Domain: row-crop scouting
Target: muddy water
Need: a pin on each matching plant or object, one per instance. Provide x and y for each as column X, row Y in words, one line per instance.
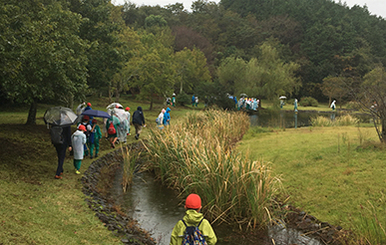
column 157, row 209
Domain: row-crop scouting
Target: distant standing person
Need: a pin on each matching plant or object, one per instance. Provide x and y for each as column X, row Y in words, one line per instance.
column 174, row 100
column 78, row 139
column 193, row 100
column 61, row 139
column 333, row 106
column 138, row 121
column 166, row 119
column 196, row 100
column 193, row 218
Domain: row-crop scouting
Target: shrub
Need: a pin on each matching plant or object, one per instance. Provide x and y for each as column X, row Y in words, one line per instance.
column 182, row 99
column 308, row 101
column 225, row 103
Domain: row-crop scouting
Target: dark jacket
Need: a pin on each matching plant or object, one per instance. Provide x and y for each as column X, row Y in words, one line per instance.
column 66, row 133
column 138, row 117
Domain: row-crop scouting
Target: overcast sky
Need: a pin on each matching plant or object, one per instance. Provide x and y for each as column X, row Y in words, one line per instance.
column 377, row 7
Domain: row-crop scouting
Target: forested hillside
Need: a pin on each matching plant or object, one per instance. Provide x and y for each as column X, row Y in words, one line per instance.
column 324, row 38
column 64, row 50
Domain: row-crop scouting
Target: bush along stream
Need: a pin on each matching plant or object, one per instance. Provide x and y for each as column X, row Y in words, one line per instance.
column 196, row 156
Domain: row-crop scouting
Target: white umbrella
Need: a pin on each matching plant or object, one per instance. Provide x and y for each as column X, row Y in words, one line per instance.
column 282, row 98
column 113, row 105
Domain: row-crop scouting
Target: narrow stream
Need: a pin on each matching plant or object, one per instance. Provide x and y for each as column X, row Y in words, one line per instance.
column 157, row 209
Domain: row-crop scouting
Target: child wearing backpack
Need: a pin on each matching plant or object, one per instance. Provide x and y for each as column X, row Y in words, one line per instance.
column 78, row 140
column 111, row 130
column 193, row 228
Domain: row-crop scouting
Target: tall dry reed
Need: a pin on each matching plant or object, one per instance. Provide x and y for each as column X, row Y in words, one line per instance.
column 345, row 120
column 129, row 166
column 198, row 156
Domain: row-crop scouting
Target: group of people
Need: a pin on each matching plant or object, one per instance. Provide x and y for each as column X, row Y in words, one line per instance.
column 193, row 227
column 88, row 134
column 163, row 118
column 194, row 100
column 248, row 103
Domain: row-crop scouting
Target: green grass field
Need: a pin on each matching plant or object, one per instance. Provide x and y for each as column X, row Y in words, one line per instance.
column 329, row 172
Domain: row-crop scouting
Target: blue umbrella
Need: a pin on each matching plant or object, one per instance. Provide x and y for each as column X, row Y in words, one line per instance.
column 96, row 113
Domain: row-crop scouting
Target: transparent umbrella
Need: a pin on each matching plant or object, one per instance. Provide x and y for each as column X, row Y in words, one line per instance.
column 60, row 116
column 113, row 105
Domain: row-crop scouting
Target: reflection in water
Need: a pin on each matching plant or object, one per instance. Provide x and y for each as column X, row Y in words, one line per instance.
column 155, row 207
column 285, row 236
column 285, row 119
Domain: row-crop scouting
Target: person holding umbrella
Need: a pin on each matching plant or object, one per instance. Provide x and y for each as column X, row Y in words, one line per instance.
column 59, row 119
column 64, row 133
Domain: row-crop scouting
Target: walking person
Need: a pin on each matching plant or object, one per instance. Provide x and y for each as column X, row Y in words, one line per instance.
column 89, row 135
column 333, row 106
column 61, row 139
column 138, row 121
column 111, row 129
column 160, row 119
column 127, row 114
column 193, row 218
column 166, row 118
column 97, row 137
column 78, row 139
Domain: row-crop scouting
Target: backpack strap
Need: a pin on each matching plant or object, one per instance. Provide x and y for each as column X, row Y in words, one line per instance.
column 183, row 221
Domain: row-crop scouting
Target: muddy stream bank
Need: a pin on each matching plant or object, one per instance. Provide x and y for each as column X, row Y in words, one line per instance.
column 147, row 212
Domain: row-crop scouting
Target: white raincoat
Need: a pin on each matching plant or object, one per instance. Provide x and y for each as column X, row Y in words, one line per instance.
column 78, row 139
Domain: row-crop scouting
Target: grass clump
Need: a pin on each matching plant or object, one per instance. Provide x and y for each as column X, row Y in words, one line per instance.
column 345, row 120
column 129, row 166
column 197, row 156
column 370, row 227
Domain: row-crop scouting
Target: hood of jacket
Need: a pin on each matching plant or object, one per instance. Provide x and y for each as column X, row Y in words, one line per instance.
column 78, row 132
column 139, row 108
column 168, row 109
column 192, row 217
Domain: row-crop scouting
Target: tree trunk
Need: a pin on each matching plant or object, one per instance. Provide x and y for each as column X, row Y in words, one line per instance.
column 383, row 133
column 117, row 92
column 31, row 120
column 151, row 103
column 110, row 95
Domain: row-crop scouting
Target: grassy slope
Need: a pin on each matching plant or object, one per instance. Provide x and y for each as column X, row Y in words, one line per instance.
column 35, row 208
column 323, row 169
